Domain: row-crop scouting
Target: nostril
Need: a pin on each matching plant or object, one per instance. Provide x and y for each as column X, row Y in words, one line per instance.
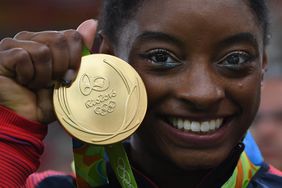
column 208, row 107
column 203, row 101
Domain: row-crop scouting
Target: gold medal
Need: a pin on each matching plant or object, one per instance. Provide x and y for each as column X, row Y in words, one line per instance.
column 105, row 104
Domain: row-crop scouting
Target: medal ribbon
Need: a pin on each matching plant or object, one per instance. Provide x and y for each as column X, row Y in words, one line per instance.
column 90, row 165
column 243, row 173
column 121, row 166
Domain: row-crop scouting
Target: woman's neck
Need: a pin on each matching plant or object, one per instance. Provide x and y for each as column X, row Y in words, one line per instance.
column 166, row 174
column 163, row 172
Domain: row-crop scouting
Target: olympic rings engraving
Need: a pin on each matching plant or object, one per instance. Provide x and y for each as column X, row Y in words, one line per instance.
column 123, row 174
column 105, row 108
column 103, row 104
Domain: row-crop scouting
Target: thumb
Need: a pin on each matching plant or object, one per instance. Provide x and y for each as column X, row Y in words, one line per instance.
column 87, row 29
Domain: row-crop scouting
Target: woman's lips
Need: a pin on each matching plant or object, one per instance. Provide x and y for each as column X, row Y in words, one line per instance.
column 191, row 133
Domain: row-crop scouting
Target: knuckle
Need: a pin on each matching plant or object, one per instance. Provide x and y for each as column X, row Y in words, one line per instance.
column 42, row 48
column 75, row 36
column 44, row 53
column 20, row 54
column 60, row 41
column 22, row 35
column 4, row 43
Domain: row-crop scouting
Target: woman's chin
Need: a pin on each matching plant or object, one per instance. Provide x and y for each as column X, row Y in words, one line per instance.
column 198, row 161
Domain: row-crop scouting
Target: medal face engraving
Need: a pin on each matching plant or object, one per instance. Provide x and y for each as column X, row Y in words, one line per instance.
column 105, row 104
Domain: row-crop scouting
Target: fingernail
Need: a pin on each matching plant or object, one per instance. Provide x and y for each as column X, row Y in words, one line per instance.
column 69, row 76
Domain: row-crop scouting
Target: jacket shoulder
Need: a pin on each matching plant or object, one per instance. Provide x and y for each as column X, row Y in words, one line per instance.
column 267, row 176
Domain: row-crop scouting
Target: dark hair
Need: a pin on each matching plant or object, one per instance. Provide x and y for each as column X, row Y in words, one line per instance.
column 116, row 13
column 260, row 10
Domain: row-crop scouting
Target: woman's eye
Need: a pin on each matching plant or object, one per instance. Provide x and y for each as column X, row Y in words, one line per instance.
column 236, row 60
column 161, row 58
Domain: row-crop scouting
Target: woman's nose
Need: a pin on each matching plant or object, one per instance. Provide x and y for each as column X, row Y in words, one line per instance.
column 201, row 88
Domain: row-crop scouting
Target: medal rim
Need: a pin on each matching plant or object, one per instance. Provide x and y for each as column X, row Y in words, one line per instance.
column 140, row 110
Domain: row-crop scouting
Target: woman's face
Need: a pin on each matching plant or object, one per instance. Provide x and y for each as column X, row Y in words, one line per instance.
column 202, row 63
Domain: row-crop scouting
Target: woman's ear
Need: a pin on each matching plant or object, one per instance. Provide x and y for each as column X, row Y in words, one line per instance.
column 104, row 46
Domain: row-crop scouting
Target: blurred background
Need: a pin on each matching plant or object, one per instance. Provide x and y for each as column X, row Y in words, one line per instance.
column 275, row 46
column 267, row 127
column 37, row 15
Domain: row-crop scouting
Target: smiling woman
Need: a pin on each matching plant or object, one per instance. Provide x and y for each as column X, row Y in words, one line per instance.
column 202, row 63
column 197, row 71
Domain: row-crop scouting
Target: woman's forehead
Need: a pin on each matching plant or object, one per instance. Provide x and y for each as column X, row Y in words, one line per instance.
column 197, row 16
column 197, row 7
column 192, row 21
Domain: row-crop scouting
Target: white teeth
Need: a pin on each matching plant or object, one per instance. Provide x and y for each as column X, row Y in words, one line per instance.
column 205, row 127
column 212, row 124
column 187, row 125
column 196, row 126
column 180, row 124
column 218, row 122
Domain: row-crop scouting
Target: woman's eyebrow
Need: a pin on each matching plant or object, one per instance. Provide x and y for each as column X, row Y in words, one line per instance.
column 159, row 36
column 245, row 37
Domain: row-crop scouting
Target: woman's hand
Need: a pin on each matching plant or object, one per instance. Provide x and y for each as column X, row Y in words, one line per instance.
column 30, row 63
